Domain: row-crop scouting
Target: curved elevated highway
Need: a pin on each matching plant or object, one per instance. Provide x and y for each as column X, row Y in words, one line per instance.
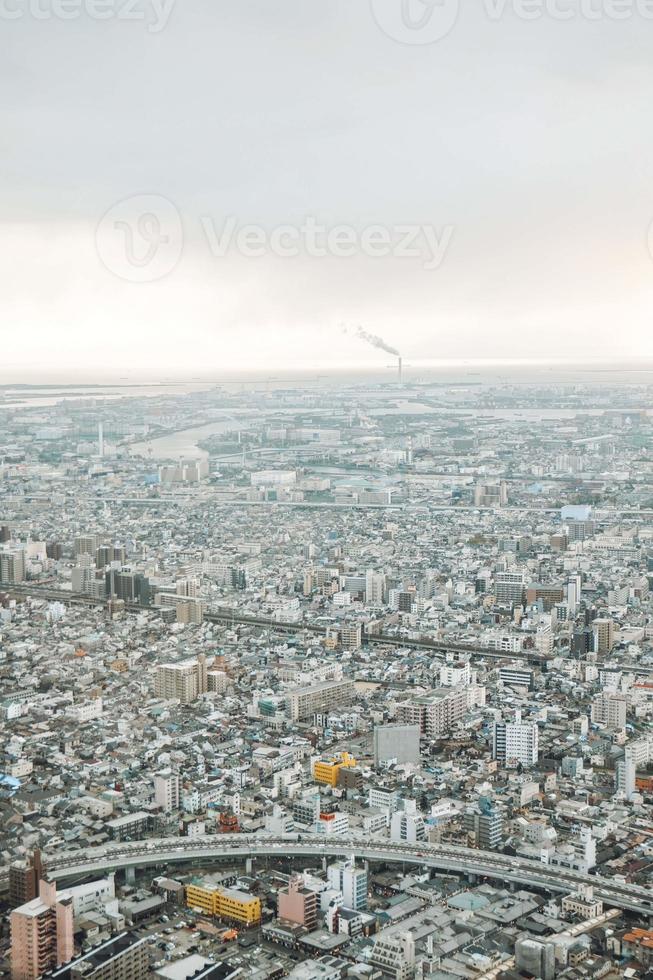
column 443, row 857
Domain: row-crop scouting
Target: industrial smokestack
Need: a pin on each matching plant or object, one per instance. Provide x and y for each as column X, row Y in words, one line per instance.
column 400, row 370
column 100, row 440
column 375, row 341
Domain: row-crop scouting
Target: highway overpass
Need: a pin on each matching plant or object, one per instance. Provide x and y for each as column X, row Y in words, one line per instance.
column 440, row 857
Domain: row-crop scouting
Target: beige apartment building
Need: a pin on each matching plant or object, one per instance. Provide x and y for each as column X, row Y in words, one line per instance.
column 41, row 933
column 183, row 681
column 304, row 702
column 298, row 904
column 435, row 713
column 610, row 710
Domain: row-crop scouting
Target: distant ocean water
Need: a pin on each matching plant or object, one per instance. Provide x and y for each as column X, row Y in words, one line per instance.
column 429, row 370
column 39, row 389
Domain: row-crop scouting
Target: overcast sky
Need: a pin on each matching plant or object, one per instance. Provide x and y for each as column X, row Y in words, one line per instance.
column 523, row 147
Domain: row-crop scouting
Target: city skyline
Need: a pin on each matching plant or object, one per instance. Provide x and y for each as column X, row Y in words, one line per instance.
column 326, row 490
column 296, row 673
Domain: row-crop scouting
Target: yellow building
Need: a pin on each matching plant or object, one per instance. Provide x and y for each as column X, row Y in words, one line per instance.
column 326, row 770
column 224, row 903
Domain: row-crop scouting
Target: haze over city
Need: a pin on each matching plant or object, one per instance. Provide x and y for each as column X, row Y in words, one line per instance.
column 523, row 144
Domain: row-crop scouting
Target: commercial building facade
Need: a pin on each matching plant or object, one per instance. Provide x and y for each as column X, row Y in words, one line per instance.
column 224, row 903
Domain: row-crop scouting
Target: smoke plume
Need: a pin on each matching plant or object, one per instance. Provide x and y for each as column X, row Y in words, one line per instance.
column 375, row 341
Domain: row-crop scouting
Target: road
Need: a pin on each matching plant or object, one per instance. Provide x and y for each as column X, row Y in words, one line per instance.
column 442, row 857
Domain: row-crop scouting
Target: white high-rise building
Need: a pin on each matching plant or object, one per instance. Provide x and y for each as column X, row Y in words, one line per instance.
column 626, row 772
column 407, row 827
column 455, row 673
column 394, row 955
column 515, row 742
column 345, row 877
column 573, row 592
column 166, row 790
column 588, row 847
column 641, row 751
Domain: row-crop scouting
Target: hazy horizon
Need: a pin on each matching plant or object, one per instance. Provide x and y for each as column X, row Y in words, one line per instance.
column 485, row 193
column 381, row 368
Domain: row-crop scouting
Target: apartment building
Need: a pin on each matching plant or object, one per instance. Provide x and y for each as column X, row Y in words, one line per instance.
column 394, row 955
column 407, row 826
column 455, row 673
column 304, row 702
column 345, row 877
column 604, row 634
column 41, row 933
column 297, row 903
column 515, row 743
column 12, row 566
column 547, row 595
column 484, row 823
column 609, row 709
column 166, row 790
column 183, row 681
column 436, row 713
column 509, row 588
